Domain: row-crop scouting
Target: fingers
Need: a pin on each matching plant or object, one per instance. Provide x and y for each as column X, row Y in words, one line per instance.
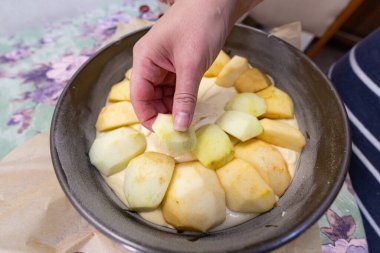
column 150, row 84
column 185, row 97
column 168, row 93
column 143, row 91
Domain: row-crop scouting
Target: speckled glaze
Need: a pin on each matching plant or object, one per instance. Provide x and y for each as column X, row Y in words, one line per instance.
column 321, row 172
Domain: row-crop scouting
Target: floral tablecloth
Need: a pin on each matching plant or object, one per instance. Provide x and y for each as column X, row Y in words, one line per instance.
column 36, row 64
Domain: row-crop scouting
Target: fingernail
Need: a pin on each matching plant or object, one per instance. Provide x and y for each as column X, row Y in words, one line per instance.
column 181, row 121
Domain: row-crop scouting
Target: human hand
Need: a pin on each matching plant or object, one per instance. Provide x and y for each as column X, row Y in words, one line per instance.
column 169, row 61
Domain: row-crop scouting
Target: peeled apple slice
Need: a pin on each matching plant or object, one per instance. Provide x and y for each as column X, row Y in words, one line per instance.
column 147, row 178
column 176, row 142
column 245, row 190
column 128, row 74
column 231, row 71
column 116, row 115
column 241, row 125
column 252, row 80
column 234, row 140
column 111, row 152
column 120, row 92
column 195, row 199
column 268, row 161
column 214, row 148
column 279, row 104
column 282, row 134
column 116, row 183
column 218, row 64
column 247, row 102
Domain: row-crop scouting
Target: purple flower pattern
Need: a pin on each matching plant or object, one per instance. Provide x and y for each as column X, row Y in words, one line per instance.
column 22, row 118
column 340, row 232
column 108, row 25
column 36, row 75
column 20, row 52
column 50, row 77
column 61, row 71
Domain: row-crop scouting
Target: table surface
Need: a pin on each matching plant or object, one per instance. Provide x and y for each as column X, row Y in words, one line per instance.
column 36, row 64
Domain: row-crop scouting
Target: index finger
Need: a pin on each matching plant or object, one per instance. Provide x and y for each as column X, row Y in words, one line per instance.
column 145, row 77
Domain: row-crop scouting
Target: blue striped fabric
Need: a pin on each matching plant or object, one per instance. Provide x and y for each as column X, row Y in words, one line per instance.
column 357, row 78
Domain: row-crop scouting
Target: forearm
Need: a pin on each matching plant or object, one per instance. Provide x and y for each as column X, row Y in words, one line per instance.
column 228, row 11
column 238, row 7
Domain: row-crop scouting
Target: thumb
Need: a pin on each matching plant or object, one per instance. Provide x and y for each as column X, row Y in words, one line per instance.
column 185, row 97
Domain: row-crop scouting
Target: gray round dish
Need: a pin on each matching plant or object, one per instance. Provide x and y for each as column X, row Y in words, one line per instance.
column 321, row 170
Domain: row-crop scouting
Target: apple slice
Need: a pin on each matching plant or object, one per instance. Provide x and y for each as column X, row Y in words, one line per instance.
column 147, row 178
column 213, row 148
column 268, row 161
column 241, row 125
column 279, row 104
column 252, row 80
column 120, row 92
column 128, row 74
column 247, row 102
column 116, row 115
column 233, row 140
column 116, row 183
column 176, row 142
column 195, row 199
column 282, row 134
column 245, row 190
column 231, row 71
column 218, row 64
column 111, row 152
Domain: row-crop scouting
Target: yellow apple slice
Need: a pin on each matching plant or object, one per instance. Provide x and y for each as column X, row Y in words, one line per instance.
column 241, row 125
column 247, row 102
column 111, row 152
column 252, row 80
column 120, row 92
column 147, row 178
column 116, row 115
column 233, row 140
column 195, row 199
column 176, row 142
column 213, row 148
column 268, row 161
column 279, row 104
column 281, row 134
column 231, row 71
column 128, row 74
column 245, row 190
column 218, row 64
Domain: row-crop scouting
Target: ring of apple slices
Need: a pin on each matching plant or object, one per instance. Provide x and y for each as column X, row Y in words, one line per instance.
column 241, row 160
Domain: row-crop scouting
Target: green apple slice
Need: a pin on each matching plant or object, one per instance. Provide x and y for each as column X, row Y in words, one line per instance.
column 247, row 102
column 241, row 125
column 213, row 148
column 176, row 142
column 111, row 151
